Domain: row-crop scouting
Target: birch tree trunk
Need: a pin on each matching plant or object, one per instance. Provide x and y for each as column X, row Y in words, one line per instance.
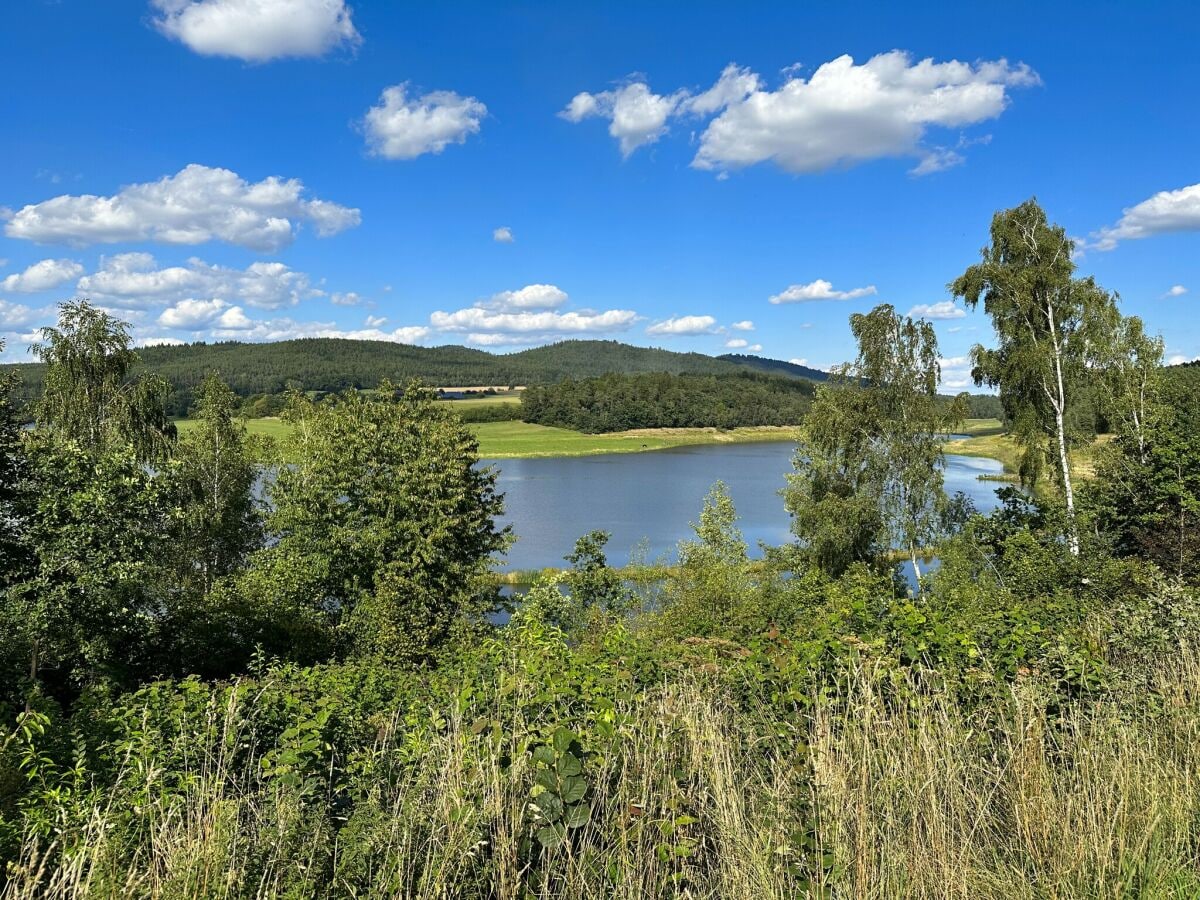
column 1064, row 462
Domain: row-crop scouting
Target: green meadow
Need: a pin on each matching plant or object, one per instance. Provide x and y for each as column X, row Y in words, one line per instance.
column 515, row 440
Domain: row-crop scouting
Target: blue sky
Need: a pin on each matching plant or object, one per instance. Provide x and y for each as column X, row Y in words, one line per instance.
column 261, row 169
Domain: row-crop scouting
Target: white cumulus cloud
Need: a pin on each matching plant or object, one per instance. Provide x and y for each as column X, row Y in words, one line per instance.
column 798, row 361
column 159, row 342
column 15, row 315
column 819, row 290
column 734, row 86
column 503, row 235
column 744, row 325
column 284, row 329
column 475, row 319
column 1177, row 290
column 375, row 321
column 193, row 206
column 1165, row 212
column 532, row 296
column 192, row 314
column 349, row 298
column 847, row 113
column 134, row 280
column 1178, row 359
column 956, row 372
column 743, row 344
column 681, row 325
column 943, row 309
column 637, row 116
column 258, row 30
column 403, row 127
column 42, row 276
column 528, row 315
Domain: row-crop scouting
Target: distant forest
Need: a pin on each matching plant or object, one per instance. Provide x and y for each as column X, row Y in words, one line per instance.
column 335, row 365
column 261, row 373
column 617, row 402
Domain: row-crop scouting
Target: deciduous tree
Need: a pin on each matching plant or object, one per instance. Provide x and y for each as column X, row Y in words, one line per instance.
column 869, row 470
column 386, row 512
column 212, row 477
column 91, row 395
column 834, row 493
column 13, row 495
column 1041, row 314
column 898, row 364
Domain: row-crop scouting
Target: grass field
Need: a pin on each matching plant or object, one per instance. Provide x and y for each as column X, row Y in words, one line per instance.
column 980, row 427
column 269, row 427
column 492, row 400
column 508, row 440
column 513, row 440
column 989, row 440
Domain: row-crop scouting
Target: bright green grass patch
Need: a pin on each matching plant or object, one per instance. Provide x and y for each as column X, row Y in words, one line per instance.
column 271, row 427
column 507, row 440
column 489, row 400
column 1003, row 447
column 991, row 445
column 980, row 427
column 512, row 440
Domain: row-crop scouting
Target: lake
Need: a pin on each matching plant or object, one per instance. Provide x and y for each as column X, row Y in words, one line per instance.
column 647, row 500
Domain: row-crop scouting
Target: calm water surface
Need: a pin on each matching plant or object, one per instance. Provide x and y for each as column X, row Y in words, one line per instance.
column 647, row 500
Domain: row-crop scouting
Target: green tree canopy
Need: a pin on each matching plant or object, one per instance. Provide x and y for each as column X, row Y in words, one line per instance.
column 868, row 472
column 383, row 519
column 1047, row 324
column 13, row 497
column 90, row 395
column 212, row 477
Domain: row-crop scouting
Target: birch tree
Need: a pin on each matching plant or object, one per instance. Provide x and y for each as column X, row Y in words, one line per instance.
column 212, row 476
column 869, row 467
column 1041, row 314
column 898, row 361
column 1128, row 366
column 91, row 393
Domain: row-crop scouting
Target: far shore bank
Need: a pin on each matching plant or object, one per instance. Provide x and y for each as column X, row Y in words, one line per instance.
column 522, row 440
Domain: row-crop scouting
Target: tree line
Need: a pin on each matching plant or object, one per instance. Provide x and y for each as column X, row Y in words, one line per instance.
column 616, row 402
column 334, row 365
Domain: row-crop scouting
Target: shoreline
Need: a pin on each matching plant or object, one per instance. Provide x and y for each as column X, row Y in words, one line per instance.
column 522, row 440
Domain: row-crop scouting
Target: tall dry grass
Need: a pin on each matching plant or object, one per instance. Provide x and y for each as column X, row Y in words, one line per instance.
column 867, row 797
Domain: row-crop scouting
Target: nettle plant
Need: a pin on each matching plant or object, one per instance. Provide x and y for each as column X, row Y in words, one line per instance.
column 560, row 796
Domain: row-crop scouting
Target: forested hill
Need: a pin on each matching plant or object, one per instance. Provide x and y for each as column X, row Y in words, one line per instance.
column 775, row 366
column 335, row 364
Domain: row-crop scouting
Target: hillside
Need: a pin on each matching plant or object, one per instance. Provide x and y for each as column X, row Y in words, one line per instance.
column 774, row 366
column 334, row 364
column 587, row 359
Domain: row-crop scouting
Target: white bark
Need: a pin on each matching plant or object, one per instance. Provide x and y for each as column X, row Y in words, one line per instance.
column 1060, row 404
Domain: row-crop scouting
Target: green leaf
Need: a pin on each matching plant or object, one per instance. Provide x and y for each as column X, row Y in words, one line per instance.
column 563, row 739
column 547, row 779
column 568, row 764
column 543, row 755
column 551, row 835
column 579, row 815
column 551, row 806
column 573, row 789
